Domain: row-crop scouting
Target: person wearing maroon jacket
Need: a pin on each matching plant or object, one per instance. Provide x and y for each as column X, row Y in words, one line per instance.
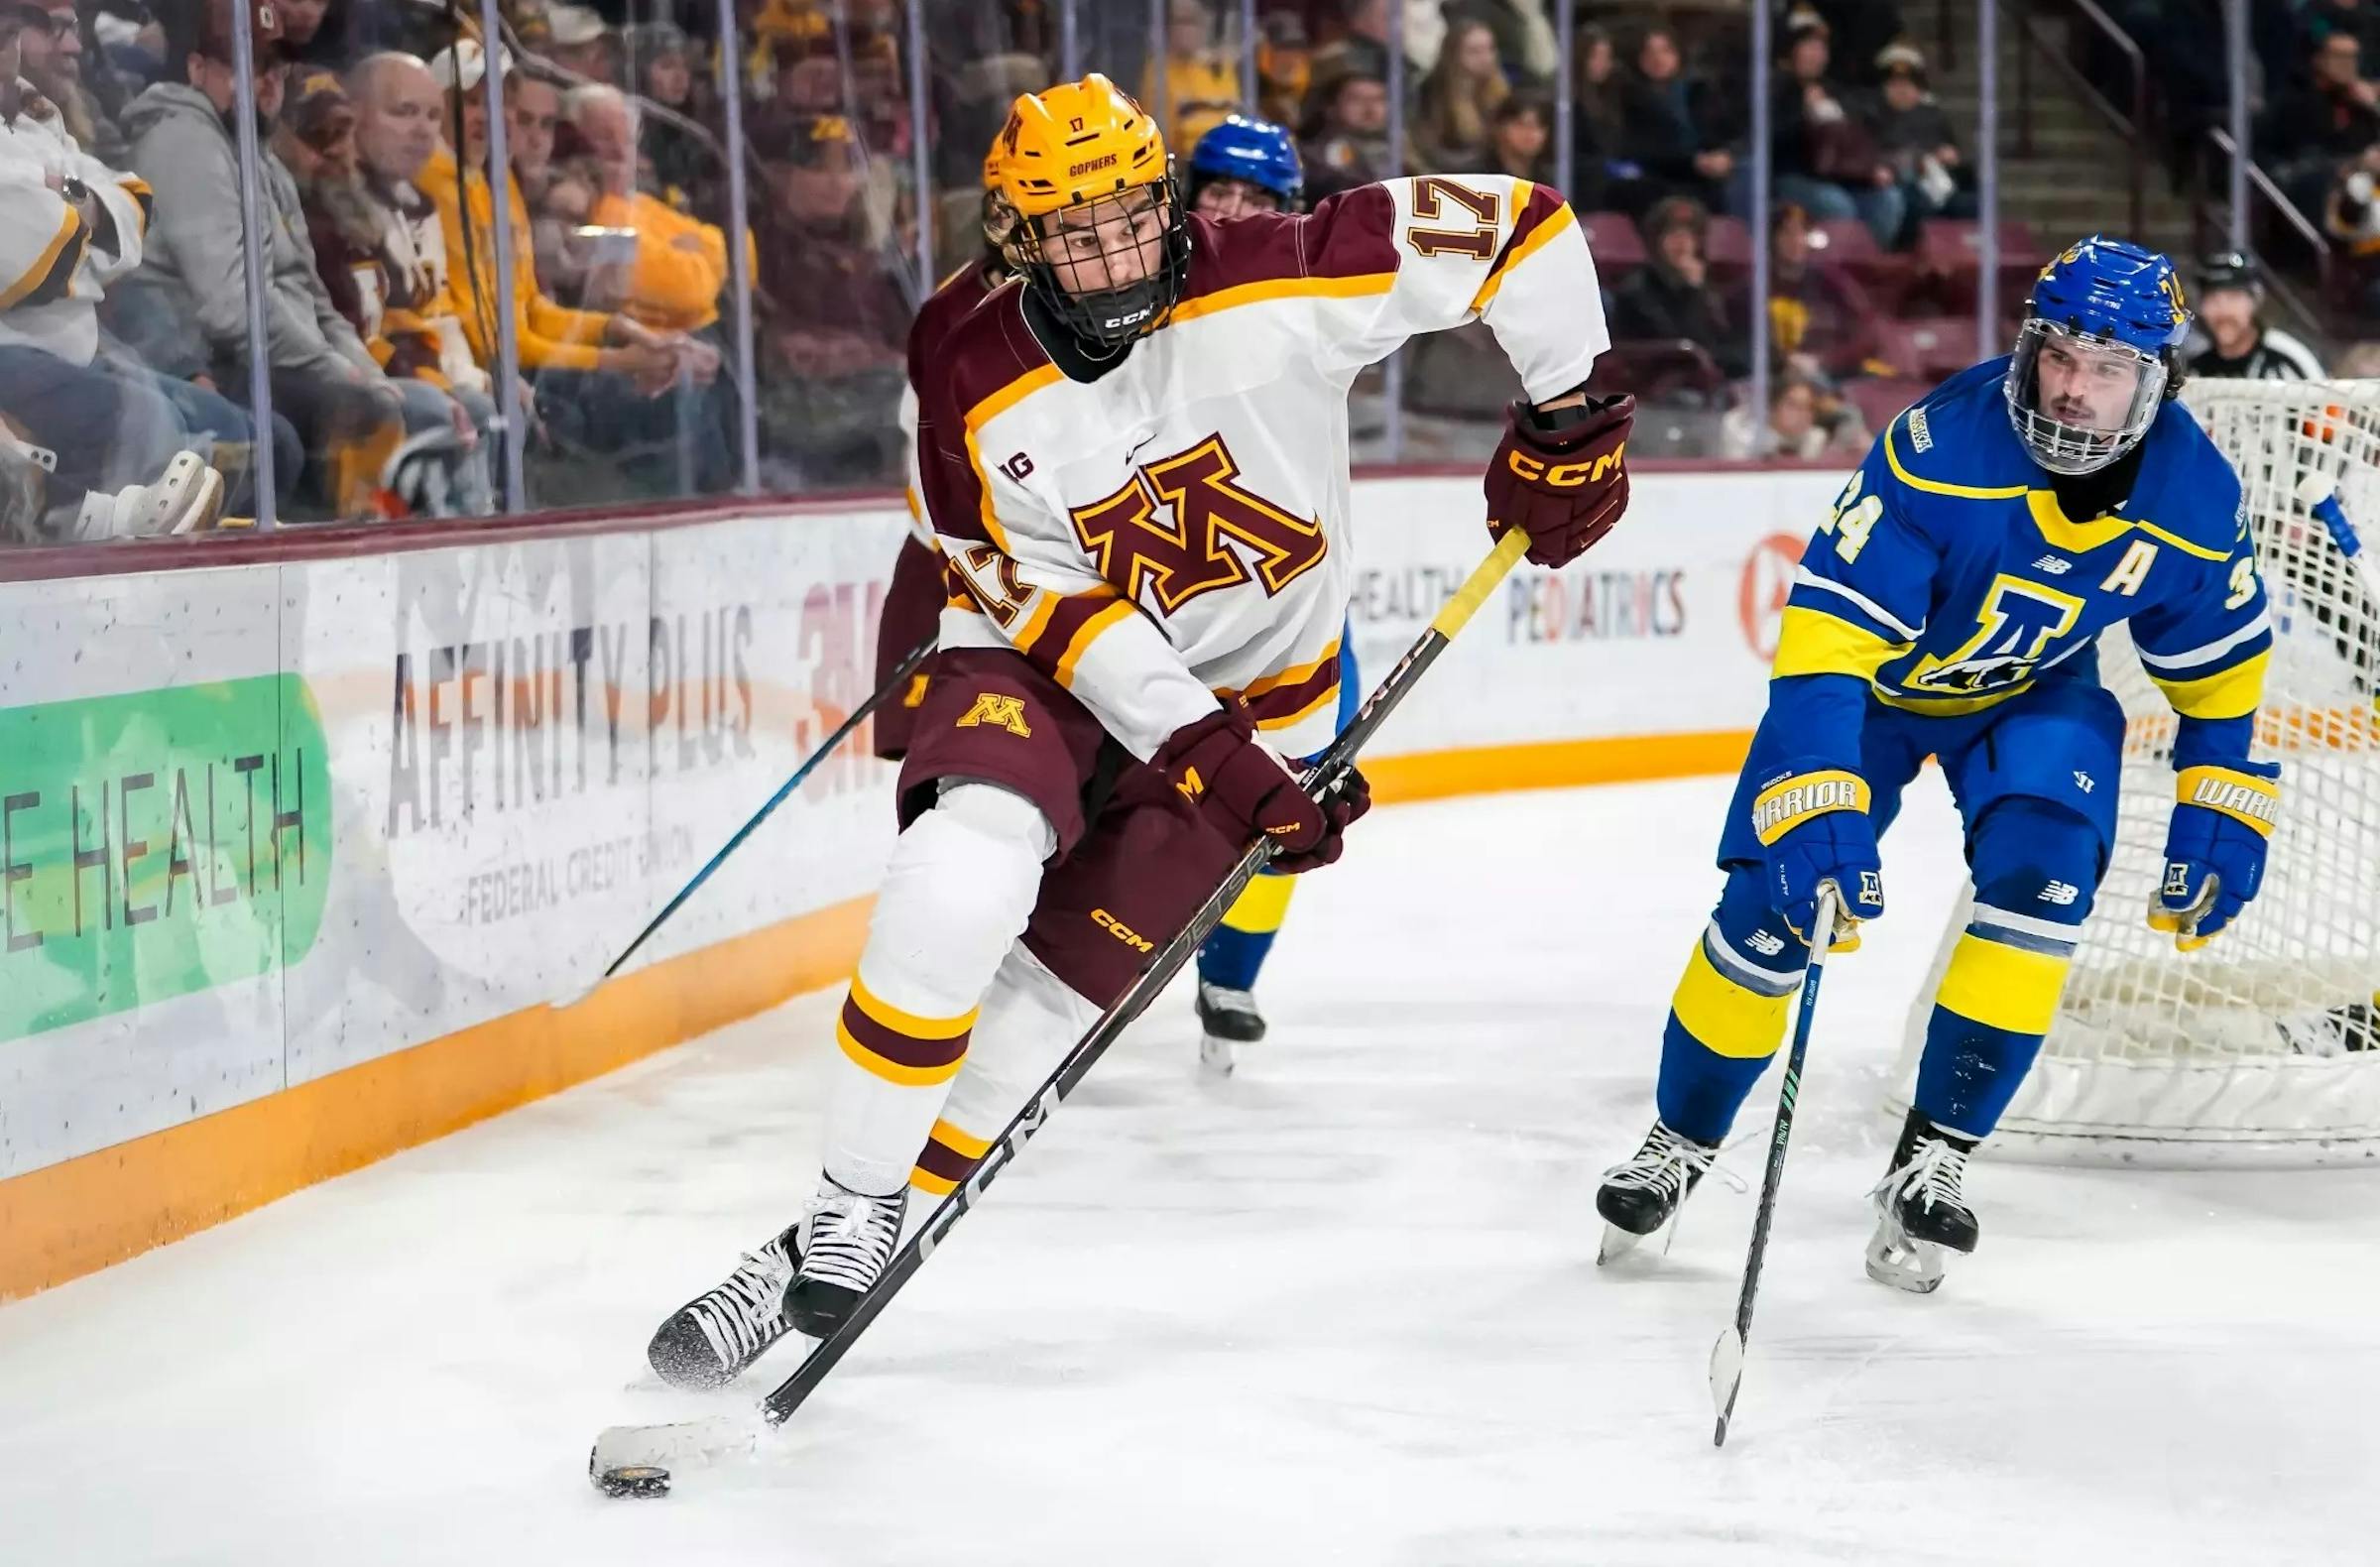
column 914, row 602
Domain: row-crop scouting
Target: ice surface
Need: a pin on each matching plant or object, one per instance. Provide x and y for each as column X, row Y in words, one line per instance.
column 1342, row 1308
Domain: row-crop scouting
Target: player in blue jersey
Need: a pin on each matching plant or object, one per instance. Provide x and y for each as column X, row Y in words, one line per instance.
column 1951, row 606
column 1246, row 166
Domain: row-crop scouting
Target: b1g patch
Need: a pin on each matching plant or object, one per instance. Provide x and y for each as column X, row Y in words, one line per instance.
column 998, row 712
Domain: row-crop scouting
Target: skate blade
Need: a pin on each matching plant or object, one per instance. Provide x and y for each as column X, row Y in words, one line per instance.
column 1617, row 1244
column 1214, row 1056
column 1915, row 1267
column 640, row 1460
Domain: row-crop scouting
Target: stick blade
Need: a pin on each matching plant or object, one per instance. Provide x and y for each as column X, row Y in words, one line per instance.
column 641, row 1460
column 1727, row 1377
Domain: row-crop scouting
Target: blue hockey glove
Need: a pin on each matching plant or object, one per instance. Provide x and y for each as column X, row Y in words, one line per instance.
column 2214, row 849
column 1811, row 821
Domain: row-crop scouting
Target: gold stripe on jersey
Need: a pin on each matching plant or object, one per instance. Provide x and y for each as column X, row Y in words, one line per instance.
column 2081, row 537
column 1296, row 675
column 1356, row 286
column 1079, row 643
column 1543, row 235
column 1967, row 492
column 69, row 226
column 1328, row 694
column 1812, row 642
column 2228, row 693
column 982, row 414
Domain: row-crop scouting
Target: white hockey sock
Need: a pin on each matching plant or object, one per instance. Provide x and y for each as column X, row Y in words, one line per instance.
column 957, row 892
column 1030, row 1020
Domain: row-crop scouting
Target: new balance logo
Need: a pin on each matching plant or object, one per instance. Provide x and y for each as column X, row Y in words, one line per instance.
column 2055, row 566
column 2063, row 893
column 2085, row 782
column 998, row 712
column 1763, row 942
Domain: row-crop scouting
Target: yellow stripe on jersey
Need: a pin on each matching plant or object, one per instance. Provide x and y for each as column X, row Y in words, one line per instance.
column 1947, row 706
column 2228, row 693
column 1812, row 642
column 1543, row 235
column 1090, row 633
column 1969, row 492
column 1322, row 698
column 982, row 414
column 2002, row 987
column 1261, row 910
column 68, row 227
column 1296, row 675
column 2081, row 537
column 1357, row 287
column 1724, row 1016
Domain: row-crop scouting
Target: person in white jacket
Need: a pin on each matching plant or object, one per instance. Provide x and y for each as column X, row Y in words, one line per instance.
column 111, row 445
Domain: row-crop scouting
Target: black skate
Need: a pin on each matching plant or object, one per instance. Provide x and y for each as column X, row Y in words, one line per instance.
column 846, row 1238
column 1639, row 1194
column 1227, row 1019
column 1921, row 1209
column 712, row 1339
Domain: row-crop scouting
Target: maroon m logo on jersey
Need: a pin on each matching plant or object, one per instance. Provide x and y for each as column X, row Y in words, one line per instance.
column 1165, row 528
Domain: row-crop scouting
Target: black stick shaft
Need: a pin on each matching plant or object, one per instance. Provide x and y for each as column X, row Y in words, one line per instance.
column 826, row 748
column 1167, row 961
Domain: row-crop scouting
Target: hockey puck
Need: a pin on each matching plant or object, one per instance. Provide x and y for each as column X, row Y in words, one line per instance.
column 634, row 1480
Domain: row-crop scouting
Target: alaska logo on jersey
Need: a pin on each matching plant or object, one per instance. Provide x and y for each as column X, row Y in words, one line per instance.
column 1163, row 531
column 2016, row 626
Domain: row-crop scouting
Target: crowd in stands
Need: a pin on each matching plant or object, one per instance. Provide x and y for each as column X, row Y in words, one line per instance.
column 124, row 307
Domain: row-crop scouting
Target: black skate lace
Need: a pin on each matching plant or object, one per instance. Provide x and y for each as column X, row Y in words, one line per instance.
column 1932, row 1175
column 1665, row 1161
column 735, row 1316
column 853, row 1242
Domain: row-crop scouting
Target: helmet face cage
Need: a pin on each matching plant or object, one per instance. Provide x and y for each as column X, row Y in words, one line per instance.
column 2067, row 448
column 1110, row 316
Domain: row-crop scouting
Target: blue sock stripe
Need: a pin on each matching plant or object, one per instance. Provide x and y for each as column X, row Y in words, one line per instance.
column 2025, row 932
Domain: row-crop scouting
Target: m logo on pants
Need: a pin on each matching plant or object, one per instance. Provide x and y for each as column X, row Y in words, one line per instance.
column 1001, row 712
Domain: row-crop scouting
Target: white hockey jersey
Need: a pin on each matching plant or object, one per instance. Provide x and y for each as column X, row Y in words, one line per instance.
column 1177, row 530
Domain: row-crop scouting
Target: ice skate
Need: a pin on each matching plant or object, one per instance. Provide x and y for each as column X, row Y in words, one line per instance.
column 1641, row 1192
column 1921, row 1208
column 712, row 1339
column 842, row 1245
column 1227, row 1019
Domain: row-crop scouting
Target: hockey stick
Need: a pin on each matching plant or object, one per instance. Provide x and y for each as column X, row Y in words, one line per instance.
column 2320, row 497
column 1727, row 1356
column 637, row 1460
column 826, row 748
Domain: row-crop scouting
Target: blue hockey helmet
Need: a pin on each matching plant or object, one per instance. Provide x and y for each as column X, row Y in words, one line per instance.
column 2106, row 321
column 1256, row 150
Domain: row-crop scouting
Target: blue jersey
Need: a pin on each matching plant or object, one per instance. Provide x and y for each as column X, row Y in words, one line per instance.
column 1947, row 579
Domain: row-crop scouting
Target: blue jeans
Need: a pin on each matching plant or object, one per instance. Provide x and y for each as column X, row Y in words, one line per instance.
column 115, row 421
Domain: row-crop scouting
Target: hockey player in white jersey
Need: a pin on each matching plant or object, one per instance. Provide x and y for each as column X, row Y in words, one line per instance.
column 1135, row 459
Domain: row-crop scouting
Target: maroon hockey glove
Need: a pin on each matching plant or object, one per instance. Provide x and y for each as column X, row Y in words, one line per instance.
column 1245, row 791
column 1562, row 478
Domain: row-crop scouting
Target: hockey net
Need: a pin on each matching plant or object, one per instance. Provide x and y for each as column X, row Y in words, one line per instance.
column 2264, row 1046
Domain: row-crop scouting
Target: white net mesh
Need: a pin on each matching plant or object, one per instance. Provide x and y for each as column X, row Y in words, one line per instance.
column 2263, row 1047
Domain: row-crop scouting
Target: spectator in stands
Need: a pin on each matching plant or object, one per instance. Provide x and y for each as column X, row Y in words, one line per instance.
column 548, row 337
column 1673, row 143
column 2321, row 18
column 2239, row 346
column 680, row 268
column 1598, row 119
column 1520, row 140
column 1914, row 137
column 1862, row 29
column 1825, row 161
column 193, row 316
column 1200, row 82
column 1524, row 31
column 1816, row 314
column 579, row 42
column 2330, row 122
column 1805, row 422
column 301, row 27
column 356, row 149
column 92, row 450
column 1458, row 100
column 1345, row 134
column 52, row 48
column 686, row 173
column 1670, row 299
column 837, row 326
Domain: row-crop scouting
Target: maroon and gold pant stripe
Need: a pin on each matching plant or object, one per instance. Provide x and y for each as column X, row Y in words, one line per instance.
column 899, row 1046
column 949, row 1157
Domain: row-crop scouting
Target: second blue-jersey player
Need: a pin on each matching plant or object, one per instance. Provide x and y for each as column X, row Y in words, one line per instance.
column 1951, row 606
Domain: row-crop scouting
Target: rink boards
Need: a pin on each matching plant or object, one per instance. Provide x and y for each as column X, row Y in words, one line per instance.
column 295, row 855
